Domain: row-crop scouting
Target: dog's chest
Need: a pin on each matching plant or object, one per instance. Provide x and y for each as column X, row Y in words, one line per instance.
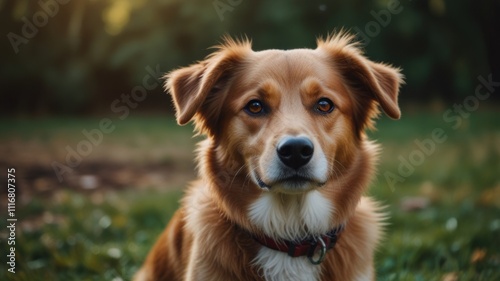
column 293, row 217
column 278, row 266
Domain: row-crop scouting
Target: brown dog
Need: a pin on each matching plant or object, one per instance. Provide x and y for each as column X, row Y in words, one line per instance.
column 283, row 168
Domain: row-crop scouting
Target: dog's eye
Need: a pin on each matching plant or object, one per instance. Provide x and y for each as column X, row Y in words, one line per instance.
column 324, row 106
column 254, row 107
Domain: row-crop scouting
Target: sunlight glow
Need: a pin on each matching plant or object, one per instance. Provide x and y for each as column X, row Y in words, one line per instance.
column 116, row 16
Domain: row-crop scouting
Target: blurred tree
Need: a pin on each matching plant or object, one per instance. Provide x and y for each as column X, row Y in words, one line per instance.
column 81, row 55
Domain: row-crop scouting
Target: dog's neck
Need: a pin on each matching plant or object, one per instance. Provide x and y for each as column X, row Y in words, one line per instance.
column 310, row 247
column 292, row 217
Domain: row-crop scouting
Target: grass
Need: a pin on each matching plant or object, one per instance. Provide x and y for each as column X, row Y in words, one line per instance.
column 456, row 236
column 104, row 234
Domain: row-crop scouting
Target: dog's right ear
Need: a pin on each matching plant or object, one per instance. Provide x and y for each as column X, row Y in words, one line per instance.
column 199, row 90
column 184, row 86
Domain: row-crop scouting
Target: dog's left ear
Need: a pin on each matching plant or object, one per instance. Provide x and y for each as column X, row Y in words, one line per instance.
column 384, row 81
column 199, row 90
column 368, row 81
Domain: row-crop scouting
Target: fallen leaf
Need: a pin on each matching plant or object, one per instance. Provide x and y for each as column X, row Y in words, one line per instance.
column 451, row 276
column 409, row 204
column 478, row 255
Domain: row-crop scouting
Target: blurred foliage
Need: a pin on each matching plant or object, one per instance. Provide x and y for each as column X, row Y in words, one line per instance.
column 86, row 53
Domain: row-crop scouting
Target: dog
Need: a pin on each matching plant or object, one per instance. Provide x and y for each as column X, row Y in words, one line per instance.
column 283, row 167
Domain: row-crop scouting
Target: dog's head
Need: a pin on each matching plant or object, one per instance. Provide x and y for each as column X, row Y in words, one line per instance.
column 292, row 119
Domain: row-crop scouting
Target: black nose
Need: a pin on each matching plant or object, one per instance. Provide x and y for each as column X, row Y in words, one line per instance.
column 295, row 152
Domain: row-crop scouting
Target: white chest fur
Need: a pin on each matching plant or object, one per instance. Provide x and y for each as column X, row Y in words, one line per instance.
column 278, row 266
column 290, row 217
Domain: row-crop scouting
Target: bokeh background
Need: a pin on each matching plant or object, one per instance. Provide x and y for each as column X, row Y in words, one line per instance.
column 100, row 162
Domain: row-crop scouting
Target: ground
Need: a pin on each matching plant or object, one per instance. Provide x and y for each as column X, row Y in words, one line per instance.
column 98, row 223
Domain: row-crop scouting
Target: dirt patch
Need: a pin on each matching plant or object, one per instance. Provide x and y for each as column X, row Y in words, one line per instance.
column 95, row 177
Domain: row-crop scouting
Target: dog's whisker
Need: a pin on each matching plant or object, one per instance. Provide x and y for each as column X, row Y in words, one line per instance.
column 236, row 174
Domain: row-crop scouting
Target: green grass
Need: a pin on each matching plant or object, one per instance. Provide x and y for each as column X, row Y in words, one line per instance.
column 461, row 179
column 83, row 240
column 105, row 234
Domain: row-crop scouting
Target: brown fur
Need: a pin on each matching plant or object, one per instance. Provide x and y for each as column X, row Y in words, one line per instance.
column 210, row 236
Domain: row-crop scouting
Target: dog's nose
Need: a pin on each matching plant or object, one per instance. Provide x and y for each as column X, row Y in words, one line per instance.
column 295, row 152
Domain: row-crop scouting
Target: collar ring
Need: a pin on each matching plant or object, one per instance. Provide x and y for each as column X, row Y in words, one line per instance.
column 322, row 252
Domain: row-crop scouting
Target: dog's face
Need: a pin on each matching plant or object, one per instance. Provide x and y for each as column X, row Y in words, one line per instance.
column 289, row 119
column 292, row 120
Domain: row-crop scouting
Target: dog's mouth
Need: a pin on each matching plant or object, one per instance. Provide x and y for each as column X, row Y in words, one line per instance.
column 289, row 183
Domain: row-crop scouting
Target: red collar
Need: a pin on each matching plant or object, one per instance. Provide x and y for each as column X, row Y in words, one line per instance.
column 307, row 247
